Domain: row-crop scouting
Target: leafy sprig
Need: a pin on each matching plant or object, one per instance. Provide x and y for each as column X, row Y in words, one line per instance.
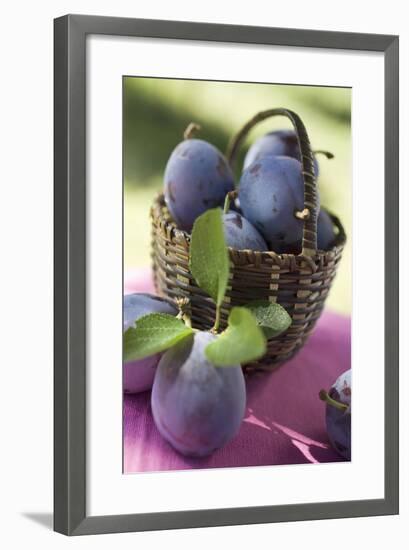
column 152, row 334
column 249, row 327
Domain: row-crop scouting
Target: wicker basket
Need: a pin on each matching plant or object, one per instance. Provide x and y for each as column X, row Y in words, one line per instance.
column 300, row 283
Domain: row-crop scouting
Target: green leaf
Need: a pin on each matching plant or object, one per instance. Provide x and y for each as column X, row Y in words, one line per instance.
column 153, row 333
column 271, row 317
column 241, row 342
column 209, row 258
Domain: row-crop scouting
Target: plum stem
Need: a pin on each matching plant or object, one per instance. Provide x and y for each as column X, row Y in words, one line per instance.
column 324, row 396
column 187, row 320
column 191, row 129
column 217, row 320
column 183, row 314
column 231, row 195
column 226, row 204
column 327, row 154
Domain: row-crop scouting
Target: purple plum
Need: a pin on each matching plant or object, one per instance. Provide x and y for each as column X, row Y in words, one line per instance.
column 240, row 234
column 138, row 375
column 196, row 406
column 338, row 414
column 283, row 143
column 271, row 191
column 197, row 177
column 325, row 231
column 325, row 236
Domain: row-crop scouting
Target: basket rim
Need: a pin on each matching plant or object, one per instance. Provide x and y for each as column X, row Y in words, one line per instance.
column 160, row 211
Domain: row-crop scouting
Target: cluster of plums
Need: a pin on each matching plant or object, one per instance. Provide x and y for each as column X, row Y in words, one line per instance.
column 196, row 406
column 270, row 192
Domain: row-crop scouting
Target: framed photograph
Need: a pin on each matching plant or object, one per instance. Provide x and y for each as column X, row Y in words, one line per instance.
column 226, row 268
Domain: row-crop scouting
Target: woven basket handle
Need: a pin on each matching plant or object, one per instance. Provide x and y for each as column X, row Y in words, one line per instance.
column 310, row 213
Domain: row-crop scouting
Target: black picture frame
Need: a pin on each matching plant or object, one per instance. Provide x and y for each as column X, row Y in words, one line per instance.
column 70, row 34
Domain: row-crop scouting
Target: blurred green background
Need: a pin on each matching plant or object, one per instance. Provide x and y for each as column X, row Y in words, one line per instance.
column 156, row 112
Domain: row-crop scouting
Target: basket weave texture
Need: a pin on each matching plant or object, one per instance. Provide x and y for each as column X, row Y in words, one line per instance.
column 300, row 283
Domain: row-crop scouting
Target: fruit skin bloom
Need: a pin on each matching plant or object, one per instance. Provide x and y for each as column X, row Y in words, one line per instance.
column 325, row 231
column 196, row 406
column 282, row 143
column 271, row 191
column 339, row 421
column 138, row 375
column 240, row 234
column 197, row 178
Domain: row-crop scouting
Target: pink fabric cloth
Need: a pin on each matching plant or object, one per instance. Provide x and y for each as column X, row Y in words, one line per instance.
column 138, row 280
column 284, row 422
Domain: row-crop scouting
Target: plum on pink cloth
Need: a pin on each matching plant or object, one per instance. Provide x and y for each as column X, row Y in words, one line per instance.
column 284, row 421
